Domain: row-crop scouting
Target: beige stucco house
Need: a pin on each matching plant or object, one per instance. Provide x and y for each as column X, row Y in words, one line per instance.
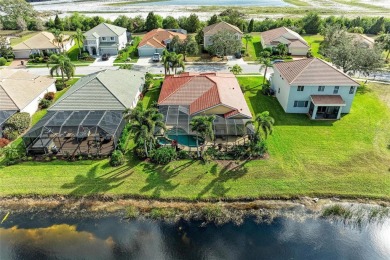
column 314, row 87
column 297, row 46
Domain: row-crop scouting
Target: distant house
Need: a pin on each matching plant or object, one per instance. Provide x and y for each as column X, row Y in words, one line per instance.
column 190, row 94
column 42, row 43
column 105, row 39
column 88, row 118
column 157, row 40
column 209, row 31
column 368, row 42
column 295, row 43
column 314, row 87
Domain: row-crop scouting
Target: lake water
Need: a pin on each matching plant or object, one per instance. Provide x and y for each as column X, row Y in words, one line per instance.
column 221, row 2
column 36, row 237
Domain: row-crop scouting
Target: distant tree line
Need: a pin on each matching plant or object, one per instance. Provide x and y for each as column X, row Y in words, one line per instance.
column 20, row 15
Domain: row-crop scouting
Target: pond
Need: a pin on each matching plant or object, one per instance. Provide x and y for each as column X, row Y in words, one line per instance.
column 29, row 236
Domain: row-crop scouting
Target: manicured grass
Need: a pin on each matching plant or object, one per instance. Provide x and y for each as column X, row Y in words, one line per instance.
column 73, row 54
column 152, row 94
column 348, row 157
column 132, row 52
column 314, row 42
column 254, row 47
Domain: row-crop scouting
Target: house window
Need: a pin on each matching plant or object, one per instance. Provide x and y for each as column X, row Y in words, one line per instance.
column 112, row 38
column 278, row 90
column 301, row 103
column 103, row 38
column 300, row 88
column 336, row 90
column 352, row 90
column 321, row 88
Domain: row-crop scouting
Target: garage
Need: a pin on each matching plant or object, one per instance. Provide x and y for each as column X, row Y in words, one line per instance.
column 22, row 54
column 110, row 51
column 146, row 51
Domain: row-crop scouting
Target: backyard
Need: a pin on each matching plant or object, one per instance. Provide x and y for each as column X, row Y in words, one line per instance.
column 345, row 158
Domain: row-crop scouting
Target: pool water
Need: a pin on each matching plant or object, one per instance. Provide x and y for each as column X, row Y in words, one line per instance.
column 188, row 140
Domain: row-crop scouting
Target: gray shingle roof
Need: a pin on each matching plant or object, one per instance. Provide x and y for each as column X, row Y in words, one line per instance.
column 105, row 30
column 104, row 90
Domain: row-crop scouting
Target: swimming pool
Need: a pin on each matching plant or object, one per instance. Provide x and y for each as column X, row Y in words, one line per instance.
column 181, row 136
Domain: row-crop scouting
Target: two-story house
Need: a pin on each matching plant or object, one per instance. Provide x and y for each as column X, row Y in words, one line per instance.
column 314, row 87
column 209, row 31
column 105, row 39
column 295, row 43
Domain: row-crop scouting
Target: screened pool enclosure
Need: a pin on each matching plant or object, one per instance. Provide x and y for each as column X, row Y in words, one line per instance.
column 178, row 118
column 75, row 133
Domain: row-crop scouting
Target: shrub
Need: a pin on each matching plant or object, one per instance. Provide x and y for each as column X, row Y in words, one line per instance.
column 126, row 66
column 18, row 122
column 4, row 142
column 44, row 103
column 183, row 155
column 3, row 61
column 239, row 152
column 117, row 158
column 163, row 155
column 60, row 86
column 140, row 152
column 49, row 95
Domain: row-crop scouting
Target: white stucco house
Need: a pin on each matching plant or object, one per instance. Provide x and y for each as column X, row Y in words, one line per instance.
column 157, row 40
column 209, row 31
column 314, row 87
column 105, row 39
column 42, row 43
column 297, row 46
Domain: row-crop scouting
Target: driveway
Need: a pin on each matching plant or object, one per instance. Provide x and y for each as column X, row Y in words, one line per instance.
column 144, row 61
column 104, row 63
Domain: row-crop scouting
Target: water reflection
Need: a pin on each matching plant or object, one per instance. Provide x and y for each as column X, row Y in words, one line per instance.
column 23, row 237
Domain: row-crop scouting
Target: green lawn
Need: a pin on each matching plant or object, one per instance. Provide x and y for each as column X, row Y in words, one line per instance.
column 132, row 52
column 254, row 48
column 73, row 55
column 314, row 43
column 348, row 157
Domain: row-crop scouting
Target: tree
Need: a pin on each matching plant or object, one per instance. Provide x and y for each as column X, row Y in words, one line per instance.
column 264, row 122
column 282, row 49
column 199, row 37
column 57, row 23
column 251, row 25
column 265, row 64
column 143, row 125
column 193, row 23
column 79, row 38
column 213, row 20
column 14, row 9
column 236, row 69
column 177, row 61
column 61, row 64
column 186, row 47
column 247, row 38
column 312, row 23
column 378, row 26
column 166, row 59
column 384, row 41
column 203, row 126
column 170, row 22
column 21, row 23
column 60, row 39
column 151, row 22
column 225, row 43
column 5, row 50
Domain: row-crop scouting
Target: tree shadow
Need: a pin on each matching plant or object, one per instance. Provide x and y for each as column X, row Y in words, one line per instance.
column 228, row 172
column 159, row 177
column 91, row 183
column 258, row 48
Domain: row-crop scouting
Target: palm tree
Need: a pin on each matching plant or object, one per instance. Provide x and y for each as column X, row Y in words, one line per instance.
column 247, row 38
column 166, row 60
column 282, row 49
column 144, row 123
column 59, row 38
column 264, row 122
column 79, row 38
column 177, row 61
column 236, row 69
column 203, row 126
column 265, row 64
column 61, row 64
column 384, row 40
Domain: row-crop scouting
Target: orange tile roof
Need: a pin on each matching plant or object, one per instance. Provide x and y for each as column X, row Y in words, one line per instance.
column 204, row 91
column 313, row 71
column 156, row 38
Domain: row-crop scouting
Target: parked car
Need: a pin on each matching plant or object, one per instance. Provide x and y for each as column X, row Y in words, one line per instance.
column 276, row 61
column 156, row 57
column 105, row 56
column 238, row 55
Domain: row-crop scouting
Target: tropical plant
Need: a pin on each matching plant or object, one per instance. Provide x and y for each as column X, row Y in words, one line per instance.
column 282, row 49
column 236, row 69
column 79, row 38
column 143, row 125
column 203, row 126
column 117, row 158
column 10, row 152
column 163, row 155
column 177, row 61
column 384, row 40
column 166, row 59
column 61, row 64
column 264, row 122
column 265, row 64
column 60, row 39
column 18, row 122
column 247, row 38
